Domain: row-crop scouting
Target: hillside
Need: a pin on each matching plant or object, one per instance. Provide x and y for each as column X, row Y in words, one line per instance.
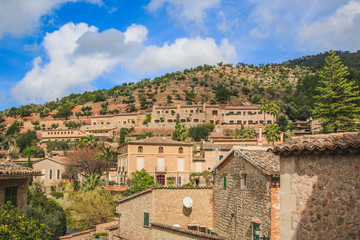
column 291, row 84
column 224, row 84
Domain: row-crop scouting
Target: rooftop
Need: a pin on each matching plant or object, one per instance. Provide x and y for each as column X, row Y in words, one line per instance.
column 15, row 170
column 159, row 140
column 316, row 144
column 265, row 161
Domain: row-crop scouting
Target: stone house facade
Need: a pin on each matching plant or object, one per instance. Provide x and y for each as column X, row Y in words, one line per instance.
column 246, row 184
column 161, row 158
column 13, row 184
column 62, row 135
column 164, row 206
column 320, row 187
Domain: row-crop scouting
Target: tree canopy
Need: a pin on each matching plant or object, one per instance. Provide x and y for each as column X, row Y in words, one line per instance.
column 337, row 104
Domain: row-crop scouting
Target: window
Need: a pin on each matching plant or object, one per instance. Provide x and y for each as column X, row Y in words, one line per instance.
column 160, row 164
column 140, row 149
column 11, row 195
column 180, row 164
column 269, row 122
column 58, row 174
column 50, row 174
column 139, row 163
column 214, row 113
column 198, row 167
column 160, row 179
column 221, row 157
column 146, row 219
column 224, row 182
column 181, row 150
column 243, row 181
column 161, row 150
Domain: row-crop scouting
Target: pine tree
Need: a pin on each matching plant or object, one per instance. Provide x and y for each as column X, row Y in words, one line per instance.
column 337, row 103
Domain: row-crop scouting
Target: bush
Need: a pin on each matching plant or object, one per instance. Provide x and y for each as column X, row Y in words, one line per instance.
column 57, row 195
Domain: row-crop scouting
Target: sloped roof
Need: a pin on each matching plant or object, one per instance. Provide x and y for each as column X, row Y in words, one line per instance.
column 316, row 144
column 211, row 146
column 265, row 161
column 15, row 170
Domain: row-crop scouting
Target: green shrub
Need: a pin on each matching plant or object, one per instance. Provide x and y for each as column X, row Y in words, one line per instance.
column 57, row 195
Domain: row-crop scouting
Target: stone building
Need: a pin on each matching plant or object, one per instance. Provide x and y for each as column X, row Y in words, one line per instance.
column 246, row 194
column 320, row 187
column 13, row 184
column 151, row 213
column 163, row 159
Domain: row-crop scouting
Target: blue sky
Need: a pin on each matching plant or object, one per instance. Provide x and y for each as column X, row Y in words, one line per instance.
column 51, row 48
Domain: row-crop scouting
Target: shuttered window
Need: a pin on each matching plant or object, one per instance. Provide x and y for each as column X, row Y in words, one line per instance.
column 224, row 182
column 11, row 195
column 146, row 219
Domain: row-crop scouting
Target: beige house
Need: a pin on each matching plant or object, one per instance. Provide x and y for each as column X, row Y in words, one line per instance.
column 13, row 184
column 319, row 187
column 51, row 169
column 62, row 135
column 164, row 159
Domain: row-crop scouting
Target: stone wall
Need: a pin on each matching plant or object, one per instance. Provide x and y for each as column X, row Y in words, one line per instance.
column 165, row 206
column 236, row 207
column 169, row 208
column 21, row 183
column 275, row 209
column 320, row 196
column 132, row 217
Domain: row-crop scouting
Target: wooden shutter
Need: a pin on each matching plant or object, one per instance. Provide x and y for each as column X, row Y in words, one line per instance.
column 224, row 182
column 146, row 219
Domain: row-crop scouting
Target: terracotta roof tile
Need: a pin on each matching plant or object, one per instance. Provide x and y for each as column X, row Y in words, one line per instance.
column 315, row 144
column 12, row 169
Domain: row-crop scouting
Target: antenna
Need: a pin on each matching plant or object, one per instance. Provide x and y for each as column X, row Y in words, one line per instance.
column 188, row 202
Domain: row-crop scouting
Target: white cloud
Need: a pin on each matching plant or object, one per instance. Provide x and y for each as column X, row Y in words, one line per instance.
column 22, row 16
column 339, row 31
column 136, row 33
column 305, row 25
column 184, row 53
column 78, row 54
column 185, row 10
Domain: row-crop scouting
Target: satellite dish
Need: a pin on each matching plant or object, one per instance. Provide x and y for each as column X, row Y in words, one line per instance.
column 188, row 202
column 176, row 225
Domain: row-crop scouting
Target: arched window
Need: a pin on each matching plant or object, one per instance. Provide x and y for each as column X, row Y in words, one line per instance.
column 140, row 149
column 181, row 150
column 161, row 150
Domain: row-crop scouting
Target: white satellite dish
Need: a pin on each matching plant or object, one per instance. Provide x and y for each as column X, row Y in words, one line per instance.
column 188, row 202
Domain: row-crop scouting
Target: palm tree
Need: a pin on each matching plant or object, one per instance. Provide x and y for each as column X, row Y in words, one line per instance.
column 264, row 107
column 274, row 109
column 273, row 133
column 109, row 155
column 91, row 182
column 89, row 140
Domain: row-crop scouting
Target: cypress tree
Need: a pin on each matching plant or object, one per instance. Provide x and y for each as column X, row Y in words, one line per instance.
column 337, row 104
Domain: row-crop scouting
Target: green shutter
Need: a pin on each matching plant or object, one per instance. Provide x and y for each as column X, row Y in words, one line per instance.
column 11, row 195
column 146, row 219
column 224, row 182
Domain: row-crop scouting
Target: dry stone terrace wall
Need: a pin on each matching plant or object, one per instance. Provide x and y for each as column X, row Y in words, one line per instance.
column 320, row 197
column 235, row 207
